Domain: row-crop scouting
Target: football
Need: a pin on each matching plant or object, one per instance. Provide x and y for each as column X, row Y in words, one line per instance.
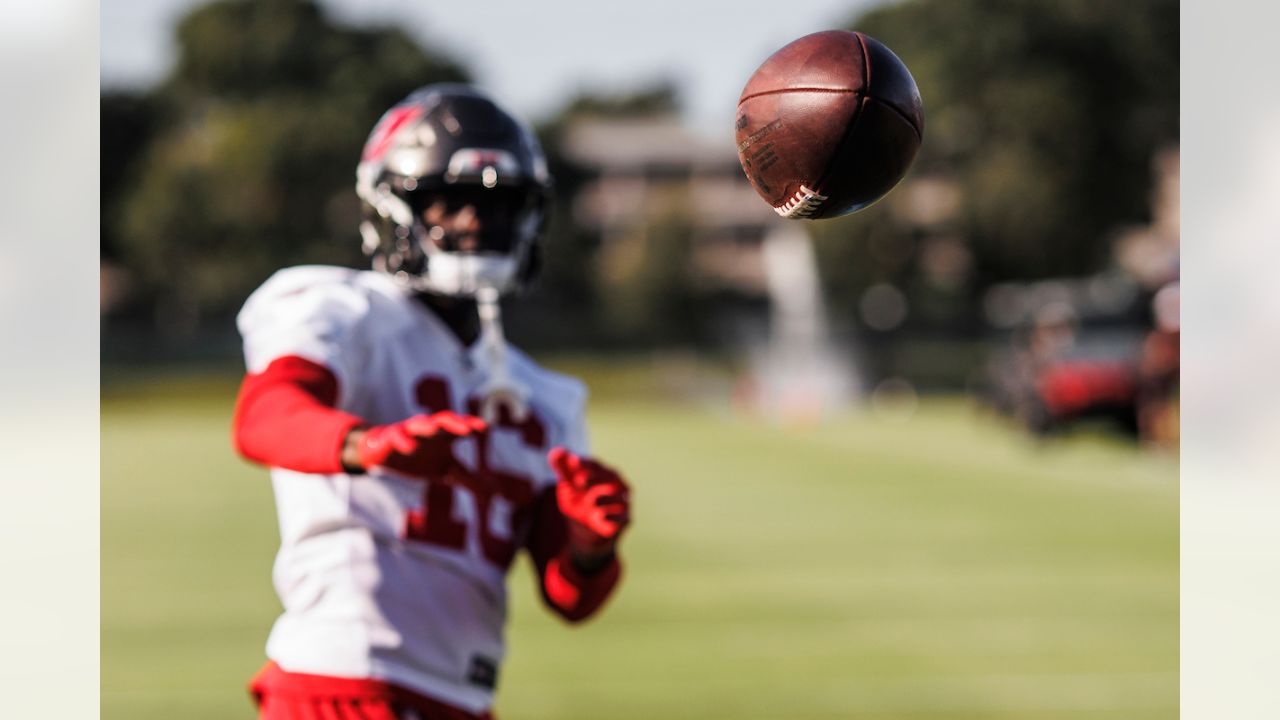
column 828, row 125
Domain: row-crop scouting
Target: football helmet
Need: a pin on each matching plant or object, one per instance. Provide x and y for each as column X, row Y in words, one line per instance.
column 454, row 192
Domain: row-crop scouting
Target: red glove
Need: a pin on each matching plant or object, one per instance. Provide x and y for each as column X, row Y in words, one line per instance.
column 594, row 499
column 421, row 446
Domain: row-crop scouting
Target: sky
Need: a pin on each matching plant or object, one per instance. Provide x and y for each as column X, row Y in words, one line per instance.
column 535, row 55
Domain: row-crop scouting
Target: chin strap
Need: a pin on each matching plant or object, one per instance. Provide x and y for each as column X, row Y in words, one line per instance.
column 500, row 388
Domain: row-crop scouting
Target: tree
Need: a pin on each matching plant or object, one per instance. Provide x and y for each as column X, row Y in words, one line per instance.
column 657, row 98
column 1045, row 113
column 574, row 304
column 129, row 122
column 268, row 106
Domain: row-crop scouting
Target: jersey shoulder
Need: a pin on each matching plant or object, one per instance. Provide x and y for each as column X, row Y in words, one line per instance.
column 569, row 390
column 334, row 295
column 560, row 397
column 322, row 313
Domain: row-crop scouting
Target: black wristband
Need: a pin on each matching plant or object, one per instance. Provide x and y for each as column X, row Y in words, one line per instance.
column 342, row 454
column 587, row 567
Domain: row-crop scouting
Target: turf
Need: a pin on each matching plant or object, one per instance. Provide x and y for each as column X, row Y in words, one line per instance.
column 937, row 567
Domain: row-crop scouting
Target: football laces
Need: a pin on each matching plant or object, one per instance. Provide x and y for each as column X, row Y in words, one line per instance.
column 802, row 204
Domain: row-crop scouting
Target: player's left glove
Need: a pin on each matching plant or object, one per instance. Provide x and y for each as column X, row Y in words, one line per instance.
column 594, row 499
column 420, row 446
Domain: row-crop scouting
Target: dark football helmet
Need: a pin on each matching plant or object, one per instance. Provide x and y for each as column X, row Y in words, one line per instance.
column 443, row 150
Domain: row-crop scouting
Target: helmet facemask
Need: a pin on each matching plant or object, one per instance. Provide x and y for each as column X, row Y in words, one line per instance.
column 454, row 193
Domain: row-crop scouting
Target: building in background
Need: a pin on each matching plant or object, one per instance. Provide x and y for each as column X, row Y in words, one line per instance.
column 655, row 188
column 652, row 168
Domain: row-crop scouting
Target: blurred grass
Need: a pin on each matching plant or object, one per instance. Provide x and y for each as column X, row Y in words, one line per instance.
column 942, row 567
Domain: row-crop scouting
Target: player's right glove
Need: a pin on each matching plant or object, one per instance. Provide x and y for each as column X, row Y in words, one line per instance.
column 420, row 446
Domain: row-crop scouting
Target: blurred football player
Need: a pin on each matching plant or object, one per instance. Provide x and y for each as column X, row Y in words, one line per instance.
column 413, row 453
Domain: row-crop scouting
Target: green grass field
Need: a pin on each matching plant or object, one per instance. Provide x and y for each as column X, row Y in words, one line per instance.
column 944, row 567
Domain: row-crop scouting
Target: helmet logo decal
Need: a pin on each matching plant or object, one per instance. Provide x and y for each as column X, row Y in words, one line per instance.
column 382, row 135
column 473, row 161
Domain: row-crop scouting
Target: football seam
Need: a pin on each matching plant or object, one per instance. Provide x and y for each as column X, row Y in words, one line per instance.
column 896, row 111
column 867, row 62
column 853, row 121
column 907, row 118
column 797, row 89
column 848, row 132
column 866, row 68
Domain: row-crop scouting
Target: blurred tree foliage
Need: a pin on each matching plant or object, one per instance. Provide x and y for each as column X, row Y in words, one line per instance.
column 654, row 99
column 129, row 121
column 591, row 307
column 1045, row 114
column 649, row 288
column 242, row 161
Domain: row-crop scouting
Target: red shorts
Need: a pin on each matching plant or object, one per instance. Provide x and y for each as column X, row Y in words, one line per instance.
column 282, row 695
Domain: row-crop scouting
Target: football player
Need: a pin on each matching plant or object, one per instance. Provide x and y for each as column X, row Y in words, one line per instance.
column 413, row 453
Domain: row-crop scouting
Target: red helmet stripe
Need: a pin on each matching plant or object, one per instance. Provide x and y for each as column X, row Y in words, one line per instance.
column 380, row 138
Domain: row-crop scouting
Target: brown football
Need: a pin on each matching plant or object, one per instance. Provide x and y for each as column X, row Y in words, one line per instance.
column 828, row 125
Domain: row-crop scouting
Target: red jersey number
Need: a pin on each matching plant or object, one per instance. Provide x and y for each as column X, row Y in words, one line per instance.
column 436, row 523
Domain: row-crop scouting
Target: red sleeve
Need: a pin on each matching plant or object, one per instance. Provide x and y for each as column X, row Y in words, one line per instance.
column 572, row 595
column 285, row 417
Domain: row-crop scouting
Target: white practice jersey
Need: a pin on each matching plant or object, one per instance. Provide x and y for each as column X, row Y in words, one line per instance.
column 383, row 576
